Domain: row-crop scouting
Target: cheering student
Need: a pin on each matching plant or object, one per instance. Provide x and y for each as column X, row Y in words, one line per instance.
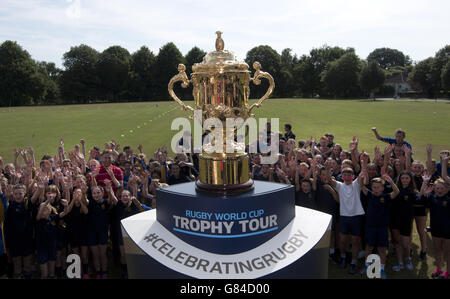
column 305, row 195
column 377, row 219
column 399, row 139
column 77, row 220
column 48, row 219
column 98, row 208
column 127, row 206
column 19, row 230
column 401, row 218
column 3, row 209
column 108, row 172
column 439, row 204
column 351, row 210
column 289, row 134
column 420, row 214
column 327, row 201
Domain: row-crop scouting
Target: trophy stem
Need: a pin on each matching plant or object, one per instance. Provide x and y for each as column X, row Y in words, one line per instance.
column 224, row 176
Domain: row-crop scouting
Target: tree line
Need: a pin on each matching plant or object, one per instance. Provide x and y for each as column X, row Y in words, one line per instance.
column 115, row 75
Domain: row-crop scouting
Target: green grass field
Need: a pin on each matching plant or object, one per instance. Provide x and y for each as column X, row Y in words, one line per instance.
column 149, row 124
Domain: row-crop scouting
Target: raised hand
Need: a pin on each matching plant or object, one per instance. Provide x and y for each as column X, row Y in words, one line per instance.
column 428, row 189
column 364, row 157
column 59, row 174
column 426, row 176
column 110, row 171
column 444, row 157
column 387, row 178
column 95, row 172
column 388, row 149
column 9, row 191
column 314, row 163
column 407, row 150
column 64, row 202
column 67, row 182
column 84, row 187
column 292, row 162
column 107, row 185
column 377, row 152
column 140, row 148
column 429, row 148
column 43, row 181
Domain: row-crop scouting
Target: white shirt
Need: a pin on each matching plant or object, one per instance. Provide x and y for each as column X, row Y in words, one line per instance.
column 349, row 199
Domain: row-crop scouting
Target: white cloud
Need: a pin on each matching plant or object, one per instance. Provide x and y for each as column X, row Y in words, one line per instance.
column 48, row 28
column 74, row 10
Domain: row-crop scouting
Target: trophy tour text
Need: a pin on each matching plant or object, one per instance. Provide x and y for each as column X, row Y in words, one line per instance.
column 225, row 223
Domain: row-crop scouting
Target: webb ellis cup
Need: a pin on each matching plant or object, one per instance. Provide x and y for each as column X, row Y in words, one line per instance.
column 221, row 90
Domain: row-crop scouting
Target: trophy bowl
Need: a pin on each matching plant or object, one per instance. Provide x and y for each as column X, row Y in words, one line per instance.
column 221, row 91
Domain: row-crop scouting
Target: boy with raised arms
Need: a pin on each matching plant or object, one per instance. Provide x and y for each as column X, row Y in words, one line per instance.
column 377, row 218
column 351, row 210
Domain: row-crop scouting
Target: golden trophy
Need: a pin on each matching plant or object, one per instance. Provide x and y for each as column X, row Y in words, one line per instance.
column 221, row 90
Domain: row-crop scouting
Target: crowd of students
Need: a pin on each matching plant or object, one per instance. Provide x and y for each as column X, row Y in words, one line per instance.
column 73, row 202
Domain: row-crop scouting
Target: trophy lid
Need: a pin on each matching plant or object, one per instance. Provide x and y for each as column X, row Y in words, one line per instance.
column 220, row 60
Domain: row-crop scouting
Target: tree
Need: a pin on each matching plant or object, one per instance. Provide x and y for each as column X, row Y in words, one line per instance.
column 50, row 75
column 166, row 67
column 341, row 76
column 112, row 67
column 305, row 80
column 441, row 58
column 286, row 83
column 445, row 77
column 308, row 70
column 423, row 74
column 195, row 55
column 388, row 58
column 20, row 81
column 270, row 61
column 371, row 78
column 142, row 74
column 79, row 82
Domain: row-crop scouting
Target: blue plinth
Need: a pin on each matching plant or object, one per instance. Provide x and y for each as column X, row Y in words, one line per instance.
column 226, row 224
column 294, row 246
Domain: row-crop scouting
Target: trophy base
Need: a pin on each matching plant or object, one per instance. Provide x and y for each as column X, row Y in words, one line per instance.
column 224, row 189
column 224, row 175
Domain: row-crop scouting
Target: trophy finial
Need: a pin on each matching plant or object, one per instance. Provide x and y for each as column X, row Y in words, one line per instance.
column 219, row 42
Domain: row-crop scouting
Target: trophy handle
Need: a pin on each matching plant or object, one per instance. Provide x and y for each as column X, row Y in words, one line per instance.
column 256, row 80
column 181, row 76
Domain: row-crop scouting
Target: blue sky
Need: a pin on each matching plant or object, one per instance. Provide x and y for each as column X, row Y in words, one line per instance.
column 47, row 29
